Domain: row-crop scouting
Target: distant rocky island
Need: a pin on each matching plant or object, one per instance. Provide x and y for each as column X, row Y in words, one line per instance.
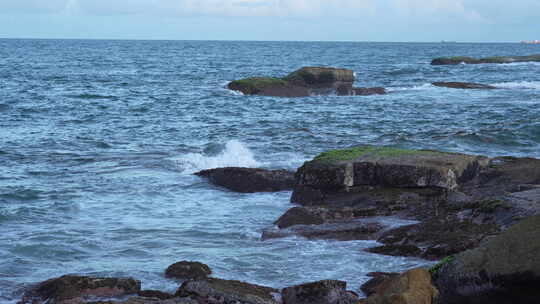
column 496, row 59
column 304, row 82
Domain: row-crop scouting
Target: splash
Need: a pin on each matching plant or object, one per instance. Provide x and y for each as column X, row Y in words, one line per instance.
column 234, row 154
column 534, row 85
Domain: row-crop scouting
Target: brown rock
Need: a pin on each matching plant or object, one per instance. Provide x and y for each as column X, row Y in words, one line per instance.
column 299, row 216
column 72, row 289
column 188, row 270
column 377, row 278
column 412, row 287
column 321, row 292
column 249, row 180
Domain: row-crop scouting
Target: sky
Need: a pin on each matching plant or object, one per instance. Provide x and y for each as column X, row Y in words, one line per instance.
column 305, row 20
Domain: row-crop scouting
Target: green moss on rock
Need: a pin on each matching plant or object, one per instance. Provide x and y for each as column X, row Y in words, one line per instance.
column 334, row 156
column 435, row 269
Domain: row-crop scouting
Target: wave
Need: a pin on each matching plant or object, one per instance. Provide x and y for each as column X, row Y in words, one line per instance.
column 425, row 86
column 534, row 85
column 233, row 154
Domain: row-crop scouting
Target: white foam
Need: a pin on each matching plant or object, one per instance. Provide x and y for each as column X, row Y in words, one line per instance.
column 425, row 86
column 535, row 85
column 235, row 154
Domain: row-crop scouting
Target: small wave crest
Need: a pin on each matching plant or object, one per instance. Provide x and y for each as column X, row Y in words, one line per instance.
column 233, row 154
column 534, row 85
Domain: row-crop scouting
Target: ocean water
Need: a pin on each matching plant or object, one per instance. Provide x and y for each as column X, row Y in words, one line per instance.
column 99, row 140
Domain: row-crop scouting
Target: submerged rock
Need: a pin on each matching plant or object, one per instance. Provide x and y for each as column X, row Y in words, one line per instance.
column 249, row 180
column 188, row 270
column 72, row 289
column 463, row 85
column 504, row 269
column 412, row 287
column 321, row 292
column 213, row 290
column 470, row 60
column 343, row 231
column 304, row 82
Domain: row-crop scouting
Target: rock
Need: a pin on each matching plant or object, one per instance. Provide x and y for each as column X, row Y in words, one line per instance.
column 383, row 166
column 249, row 180
column 321, row 292
column 412, row 287
column 304, row 82
column 377, row 278
column 299, row 216
column 470, row 60
column 504, row 269
column 435, row 237
column 72, row 289
column 155, row 294
column 343, row 231
column 463, row 85
column 188, row 270
column 397, row 250
column 369, row 91
column 213, row 290
column 149, row 300
column 348, row 91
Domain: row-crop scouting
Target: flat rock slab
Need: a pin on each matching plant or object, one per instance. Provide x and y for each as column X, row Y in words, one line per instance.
column 390, row 167
column 250, row 180
column 464, row 85
column 229, row 291
column 470, row 60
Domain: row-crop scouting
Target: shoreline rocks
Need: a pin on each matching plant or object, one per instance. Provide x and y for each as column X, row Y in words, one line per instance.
column 250, row 180
column 464, row 85
column 470, row 60
column 304, row 82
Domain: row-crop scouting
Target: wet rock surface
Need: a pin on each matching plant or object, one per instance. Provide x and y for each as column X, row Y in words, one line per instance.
column 470, row 60
column 212, row 290
column 250, row 180
column 304, row 82
column 321, row 292
column 188, row 270
column 464, row 85
column 504, row 269
column 71, row 289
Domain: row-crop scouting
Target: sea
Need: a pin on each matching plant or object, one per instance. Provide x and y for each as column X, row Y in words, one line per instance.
column 99, row 140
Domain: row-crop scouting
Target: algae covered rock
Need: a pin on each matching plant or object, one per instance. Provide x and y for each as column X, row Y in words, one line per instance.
column 497, row 59
column 505, row 269
column 188, row 270
column 321, row 292
column 385, row 166
column 304, row 82
column 249, row 180
column 227, row 291
column 75, row 289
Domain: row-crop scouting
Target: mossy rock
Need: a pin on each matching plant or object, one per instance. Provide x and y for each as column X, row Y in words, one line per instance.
column 320, row 76
column 339, row 155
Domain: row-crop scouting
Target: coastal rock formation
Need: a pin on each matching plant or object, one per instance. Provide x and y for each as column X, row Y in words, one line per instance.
column 470, row 60
column 304, row 82
column 504, row 269
column 412, row 287
column 188, row 270
column 156, row 294
column 213, row 290
column 249, row 180
column 72, row 289
column 372, row 286
column 422, row 203
column 321, row 292
column 463, row 85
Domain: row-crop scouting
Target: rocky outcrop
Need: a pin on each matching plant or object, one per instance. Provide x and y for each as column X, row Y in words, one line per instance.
column 371, row 287
column 343, row 231
column 188, row 270
column 464, row 85
column 156, row 294
column 72, row 289
column 213, row 290
column 504, row 269
column 412, row 287
column 304, row 82
column 249, row 180
column 470, row 60
column 321, row 292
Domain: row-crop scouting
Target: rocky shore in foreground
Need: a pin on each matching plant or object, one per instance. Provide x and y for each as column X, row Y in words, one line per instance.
column 478, row 216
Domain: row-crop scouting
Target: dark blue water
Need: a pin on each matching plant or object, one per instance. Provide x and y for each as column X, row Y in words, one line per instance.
column 98, row 140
